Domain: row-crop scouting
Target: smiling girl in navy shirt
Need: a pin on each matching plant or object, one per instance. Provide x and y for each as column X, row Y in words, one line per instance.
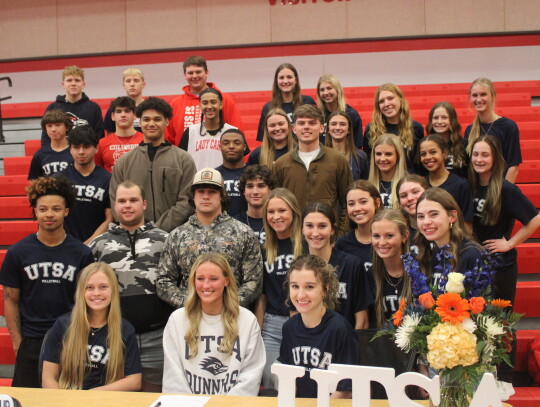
column 317, row 336
column 319, row 228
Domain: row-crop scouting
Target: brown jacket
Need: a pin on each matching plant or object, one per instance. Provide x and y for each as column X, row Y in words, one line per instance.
column 326, row 181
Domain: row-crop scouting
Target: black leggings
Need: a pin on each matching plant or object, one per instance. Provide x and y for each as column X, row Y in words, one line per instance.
column 504, row 283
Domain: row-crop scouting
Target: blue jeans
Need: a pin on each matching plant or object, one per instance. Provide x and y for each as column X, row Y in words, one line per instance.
column 272, row 334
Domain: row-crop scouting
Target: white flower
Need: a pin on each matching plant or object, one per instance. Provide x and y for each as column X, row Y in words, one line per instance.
column 487, row 354
column 469, row 325
column 405, row 330
column 455, row 283
column 491, row 326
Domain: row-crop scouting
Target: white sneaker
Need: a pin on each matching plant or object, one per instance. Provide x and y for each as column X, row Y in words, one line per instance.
column 502, row 392
column 508, row 388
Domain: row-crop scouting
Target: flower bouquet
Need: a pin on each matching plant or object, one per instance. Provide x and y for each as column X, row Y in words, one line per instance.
column 462, row 332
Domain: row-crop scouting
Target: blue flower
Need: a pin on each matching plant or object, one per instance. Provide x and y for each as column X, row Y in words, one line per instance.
column 418, row 279
column 478, row 281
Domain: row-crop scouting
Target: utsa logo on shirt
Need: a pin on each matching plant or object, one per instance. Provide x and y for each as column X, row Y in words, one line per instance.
column 391, row 303
column 54, row 167
column 213, row 385
column 231, row 186
column 307, row 355
column 283, row 262
column 98, row 354
column 342, row 290
column 50, row 272
column 213, row 365
column 89, row 191
column 212, row 344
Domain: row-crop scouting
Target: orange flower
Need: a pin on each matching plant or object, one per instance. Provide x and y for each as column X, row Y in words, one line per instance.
column 400, row 313
column 426, row 300
column 501, row 303
column 452, row 308
column 477, row 304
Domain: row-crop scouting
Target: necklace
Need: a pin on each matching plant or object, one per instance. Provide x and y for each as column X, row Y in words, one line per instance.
column 51, row 245
column 388, row 279
column 94, row 330
column 386, row 190
column 488, row 130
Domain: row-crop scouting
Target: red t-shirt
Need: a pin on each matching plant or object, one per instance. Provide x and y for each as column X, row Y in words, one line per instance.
column 112, row 147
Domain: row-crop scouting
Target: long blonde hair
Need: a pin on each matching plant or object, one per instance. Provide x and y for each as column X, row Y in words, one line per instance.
column 332, row 80
column 377, row 126
column 229, row 313
column 296, row 226
column 74, row 357
column 401, row 169
column 268, row 151
column 475, row 129
column 379, row 269
column 492, row 206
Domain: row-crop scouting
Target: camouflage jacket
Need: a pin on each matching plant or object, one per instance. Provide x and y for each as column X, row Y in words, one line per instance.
column 227, row 236
column 135, row 257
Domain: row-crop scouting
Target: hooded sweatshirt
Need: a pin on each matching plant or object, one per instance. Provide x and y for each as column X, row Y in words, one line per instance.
column 83, row 112
column 134, row 256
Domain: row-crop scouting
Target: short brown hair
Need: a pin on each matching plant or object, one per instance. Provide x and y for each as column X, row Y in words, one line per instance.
column 309, row 111
column 195, row 60
column 130, row 184
column 56, row 116
column 72, row 70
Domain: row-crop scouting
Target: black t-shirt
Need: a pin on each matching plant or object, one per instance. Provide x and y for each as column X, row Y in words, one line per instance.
column 468, row 254
column 354, row 294
column 348, row 243
column 92, row 200
column 256, row 224
column 359, row 166
column 274, row 278
column 332, row 341
column 46, row 277
column 392, row 289
column 46, row 161
column 287, row 107
column 410, row 154
column 507, row 132
column 451, row 166
column 356, row 122
column 460, row 189
column 255, row 156
column 385, row 189
column 514, row 205
column 97, row 349
column 231, row 177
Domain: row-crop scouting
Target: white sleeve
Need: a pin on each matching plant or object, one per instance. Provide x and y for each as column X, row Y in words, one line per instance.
column 174, row 379
column 254, row 359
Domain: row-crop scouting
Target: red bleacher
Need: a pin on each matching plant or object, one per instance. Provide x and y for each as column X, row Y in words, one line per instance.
column 513, row 101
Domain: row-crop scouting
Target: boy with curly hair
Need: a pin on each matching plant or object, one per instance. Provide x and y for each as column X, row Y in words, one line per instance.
column 39, row 275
